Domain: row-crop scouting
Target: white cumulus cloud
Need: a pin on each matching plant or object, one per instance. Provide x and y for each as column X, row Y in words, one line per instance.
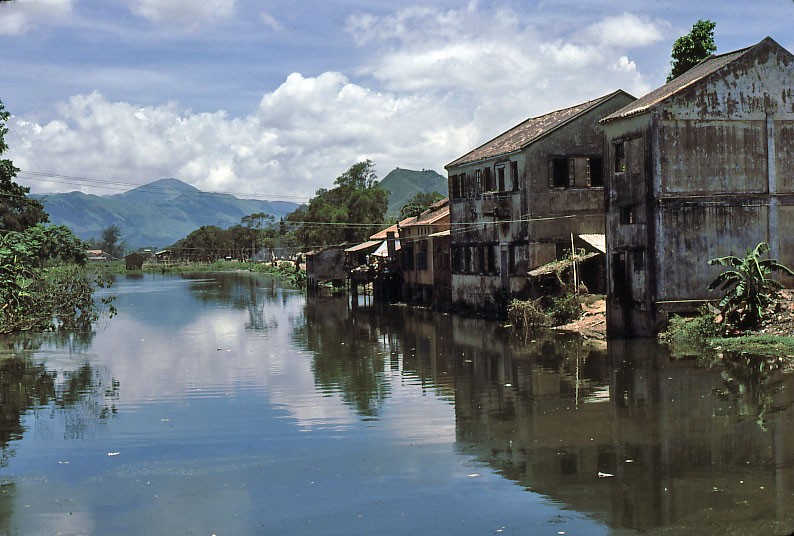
column 22, row 16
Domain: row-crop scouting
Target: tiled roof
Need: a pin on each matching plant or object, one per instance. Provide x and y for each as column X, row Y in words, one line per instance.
column 527, row 132
column 695, row 74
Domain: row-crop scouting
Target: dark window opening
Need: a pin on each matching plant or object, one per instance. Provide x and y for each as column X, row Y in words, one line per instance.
column 408, row 258
column 488, row 180
column 478, row 179
column 627, row 215
column 638, row 260
column 500, row 173
column 595, row 172
column 559, row 172
column 620, row 157
column 514, row 175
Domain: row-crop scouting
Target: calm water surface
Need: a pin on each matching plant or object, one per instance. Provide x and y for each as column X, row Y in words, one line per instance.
column 225, row 404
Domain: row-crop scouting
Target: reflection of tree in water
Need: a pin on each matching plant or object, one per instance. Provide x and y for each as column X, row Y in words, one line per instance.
column 348, row 357
column 81, row 396
column 753, row 382
column 253, row 292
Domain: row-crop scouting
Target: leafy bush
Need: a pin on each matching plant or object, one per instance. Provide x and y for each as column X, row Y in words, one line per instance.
column 748, row 288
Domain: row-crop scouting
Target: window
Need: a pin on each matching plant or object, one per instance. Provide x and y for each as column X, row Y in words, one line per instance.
column 514, row 174
column 490, row 261
column 595, row 172
column 638, row 259
column 620, row 157
column 500, row 173
column 407, row 258
column 453, row 186
column 466, row 260
column 457, row 259
column 560, row 175
column 478, row 179
column 565, row 172
column 463, row 189
column 488, row 180
column 421, row 256
column 628, row 215
column 481, row 259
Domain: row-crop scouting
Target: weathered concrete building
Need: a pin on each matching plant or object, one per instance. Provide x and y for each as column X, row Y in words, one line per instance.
column 516, row 200
column 425, row 258
column 699, row 168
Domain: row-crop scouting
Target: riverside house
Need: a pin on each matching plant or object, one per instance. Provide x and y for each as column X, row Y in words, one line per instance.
column 425, row 262
column 701, row 167
column 516, row 200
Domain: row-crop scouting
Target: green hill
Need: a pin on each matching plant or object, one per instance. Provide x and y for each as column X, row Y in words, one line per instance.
column 403, row 184
column 155, row 214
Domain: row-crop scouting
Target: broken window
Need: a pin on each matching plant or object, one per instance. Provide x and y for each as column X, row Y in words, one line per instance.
column 514, row 174
column 620, row 157
column 500, row 174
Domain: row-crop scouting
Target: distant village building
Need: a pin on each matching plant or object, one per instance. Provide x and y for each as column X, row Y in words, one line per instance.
column 134, row 261
column 699, row 168
column 97, row 255
column 516, row 201
column 425, row 240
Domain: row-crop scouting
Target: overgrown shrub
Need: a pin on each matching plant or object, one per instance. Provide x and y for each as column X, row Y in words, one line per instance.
column 527, row 315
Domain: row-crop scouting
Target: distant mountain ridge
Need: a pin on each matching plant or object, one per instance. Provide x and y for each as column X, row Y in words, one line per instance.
column 155, row 214
column 403, row 184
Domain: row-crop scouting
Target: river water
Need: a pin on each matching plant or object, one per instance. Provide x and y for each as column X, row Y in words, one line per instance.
column 227, row 404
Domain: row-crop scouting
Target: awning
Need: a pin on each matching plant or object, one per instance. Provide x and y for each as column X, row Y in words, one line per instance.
column 559, row 265
column 370, row 244
column 597, row 241
column 383, row 249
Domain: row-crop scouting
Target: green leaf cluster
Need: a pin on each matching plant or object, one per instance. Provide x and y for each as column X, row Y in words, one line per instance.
column 346, row 214
column 692, row 48
column 748, row 287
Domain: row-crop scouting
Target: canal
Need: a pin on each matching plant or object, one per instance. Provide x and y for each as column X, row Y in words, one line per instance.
column 229, row 404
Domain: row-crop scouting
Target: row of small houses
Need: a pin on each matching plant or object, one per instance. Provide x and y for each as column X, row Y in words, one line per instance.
column 699, row 168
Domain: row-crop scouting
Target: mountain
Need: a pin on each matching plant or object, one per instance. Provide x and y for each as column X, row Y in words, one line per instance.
column 403, row 184
column 155, row 214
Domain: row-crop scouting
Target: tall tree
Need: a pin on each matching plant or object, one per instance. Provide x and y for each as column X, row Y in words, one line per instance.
column 17, row 211
column 347, row 213
column 692, row 48
column 110, row 241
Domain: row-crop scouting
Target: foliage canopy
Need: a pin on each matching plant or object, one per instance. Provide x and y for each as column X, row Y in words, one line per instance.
column 692, row 48
column 348, row 213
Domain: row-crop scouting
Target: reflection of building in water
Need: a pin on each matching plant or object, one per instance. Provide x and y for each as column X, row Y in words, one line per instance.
column 643, row 442
column 625, row 435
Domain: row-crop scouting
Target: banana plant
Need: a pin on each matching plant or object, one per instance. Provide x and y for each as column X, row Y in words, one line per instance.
column 748, row 287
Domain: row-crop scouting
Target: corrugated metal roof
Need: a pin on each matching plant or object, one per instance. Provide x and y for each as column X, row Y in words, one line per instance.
column 695, row 74
column 528, row 132
column 598, row 241
column 364, row 245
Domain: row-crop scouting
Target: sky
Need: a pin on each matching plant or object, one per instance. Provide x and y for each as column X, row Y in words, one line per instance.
column 274, row 99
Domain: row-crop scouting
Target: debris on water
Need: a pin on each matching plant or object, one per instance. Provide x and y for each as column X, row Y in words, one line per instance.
column 113, row 453
column 473, row 475
column 604, row 475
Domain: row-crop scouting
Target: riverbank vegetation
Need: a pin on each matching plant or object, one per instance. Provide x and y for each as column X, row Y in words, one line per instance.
column 755, row 314
column 43, row 281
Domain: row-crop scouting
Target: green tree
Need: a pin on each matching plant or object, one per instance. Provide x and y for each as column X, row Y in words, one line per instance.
column 419, row 203
column 110, row 241
column 347, row 213
column 748, row 288
column 17, row 211
column 691, row 49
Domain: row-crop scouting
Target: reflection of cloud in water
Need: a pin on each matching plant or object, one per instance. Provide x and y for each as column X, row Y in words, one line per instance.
column 215, row 355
